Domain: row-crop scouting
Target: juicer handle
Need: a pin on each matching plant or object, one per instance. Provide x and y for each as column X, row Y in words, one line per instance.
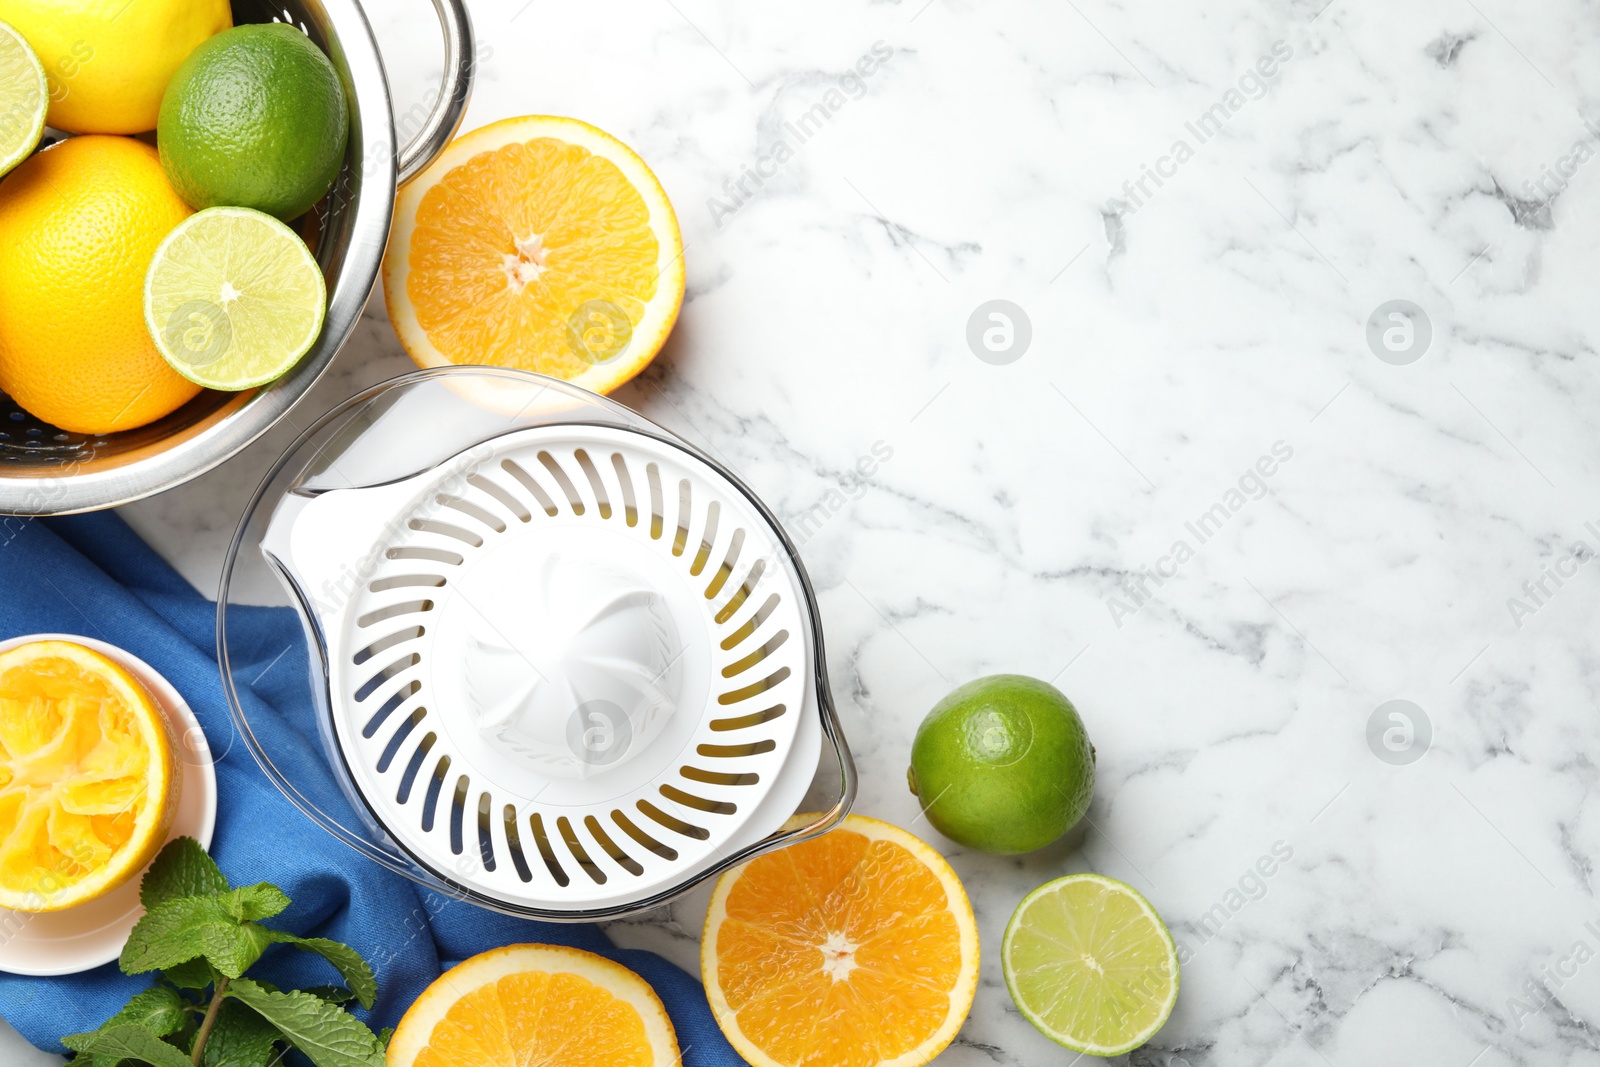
column 460, row 63
column 847, row 769
column 848, row 781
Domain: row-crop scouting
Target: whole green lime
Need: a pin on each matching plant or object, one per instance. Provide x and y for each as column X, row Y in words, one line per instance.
column 256, row 117
column 1003, row 764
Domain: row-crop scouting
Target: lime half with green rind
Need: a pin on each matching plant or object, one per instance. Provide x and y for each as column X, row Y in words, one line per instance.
column 234, row 299
column 24, row 99
column 1090, row 964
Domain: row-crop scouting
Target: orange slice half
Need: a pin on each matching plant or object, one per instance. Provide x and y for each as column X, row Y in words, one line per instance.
column 538, row 243
column 88, row 776
column 856, row 949
column 535, row 1004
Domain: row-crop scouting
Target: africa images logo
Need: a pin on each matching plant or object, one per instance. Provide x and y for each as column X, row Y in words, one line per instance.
column 851, row 85
column 1253, row 84
column 1251, row 486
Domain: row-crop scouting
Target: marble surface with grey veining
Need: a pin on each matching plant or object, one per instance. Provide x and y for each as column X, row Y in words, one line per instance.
column 1289, row 417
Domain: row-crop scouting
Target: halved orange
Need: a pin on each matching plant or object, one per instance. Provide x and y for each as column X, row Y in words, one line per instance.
column 535, row 1004
column 539, row 243
column 855, row 949
column 88, row 776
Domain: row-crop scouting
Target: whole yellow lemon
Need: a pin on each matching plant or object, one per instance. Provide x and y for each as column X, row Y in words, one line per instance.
column 79, row 225
column 108, row 61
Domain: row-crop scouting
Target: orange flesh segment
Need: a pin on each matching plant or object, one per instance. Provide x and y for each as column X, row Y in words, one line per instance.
column 73, row 765
column 512, row 243
column 840, row 951
column 534, row 1018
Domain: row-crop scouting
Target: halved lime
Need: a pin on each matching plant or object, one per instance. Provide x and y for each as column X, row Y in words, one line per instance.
column 1090, row 963
column 234, row 298
column 24, row 99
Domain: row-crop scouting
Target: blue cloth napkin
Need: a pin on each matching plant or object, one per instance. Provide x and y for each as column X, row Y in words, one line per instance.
column 92, row 575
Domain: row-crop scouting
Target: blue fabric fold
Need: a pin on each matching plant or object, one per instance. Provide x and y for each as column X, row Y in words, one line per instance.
column 92, row 575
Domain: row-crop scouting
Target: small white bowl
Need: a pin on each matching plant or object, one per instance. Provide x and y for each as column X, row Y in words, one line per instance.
column 80, row 938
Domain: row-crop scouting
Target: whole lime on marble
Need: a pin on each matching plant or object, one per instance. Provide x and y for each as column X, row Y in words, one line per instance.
column 1003, row 764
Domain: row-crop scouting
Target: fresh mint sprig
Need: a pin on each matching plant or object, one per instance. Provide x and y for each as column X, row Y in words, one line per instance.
column 203, row 935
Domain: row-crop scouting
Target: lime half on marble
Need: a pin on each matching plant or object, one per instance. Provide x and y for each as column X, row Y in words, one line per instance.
column 1090, row 964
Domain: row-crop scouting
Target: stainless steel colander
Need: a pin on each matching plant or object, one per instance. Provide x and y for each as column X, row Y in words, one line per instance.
column 47, row 471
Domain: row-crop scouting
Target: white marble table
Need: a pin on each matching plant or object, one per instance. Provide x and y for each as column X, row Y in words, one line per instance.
column 1197, row 207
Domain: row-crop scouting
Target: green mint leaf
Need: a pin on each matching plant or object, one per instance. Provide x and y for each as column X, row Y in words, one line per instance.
column 253, row 902
column 333, row 994
column 89, row 1059
column 386, row 1035
column 237, row 950
column 192, row 974
column 170, row 933
column 158, row 1009
column 352, row 968
column 240, row 1038
column 328, row 1035
column 178, row 930
column 126, row 1041
column 182, row 869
